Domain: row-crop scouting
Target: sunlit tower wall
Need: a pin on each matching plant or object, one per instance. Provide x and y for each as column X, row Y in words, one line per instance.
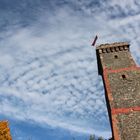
column 4, row 131
column 121, row 78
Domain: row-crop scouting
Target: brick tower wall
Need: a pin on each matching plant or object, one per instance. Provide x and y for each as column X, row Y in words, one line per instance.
column 121, row 79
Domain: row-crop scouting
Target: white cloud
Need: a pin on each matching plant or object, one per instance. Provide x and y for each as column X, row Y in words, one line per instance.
column 6, row 61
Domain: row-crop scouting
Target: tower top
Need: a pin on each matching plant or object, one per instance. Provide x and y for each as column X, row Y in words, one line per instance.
column 112, row 47
column 114, row 56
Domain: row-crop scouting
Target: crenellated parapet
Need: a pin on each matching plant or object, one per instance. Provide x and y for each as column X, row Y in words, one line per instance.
column 115, row 47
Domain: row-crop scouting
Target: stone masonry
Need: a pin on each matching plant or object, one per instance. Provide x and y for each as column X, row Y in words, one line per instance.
column 121, row 78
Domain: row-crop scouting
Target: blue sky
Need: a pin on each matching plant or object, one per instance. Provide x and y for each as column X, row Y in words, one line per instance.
column 49, row 83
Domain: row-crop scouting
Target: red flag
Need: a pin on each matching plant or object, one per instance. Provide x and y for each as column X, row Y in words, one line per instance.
column 94, row 42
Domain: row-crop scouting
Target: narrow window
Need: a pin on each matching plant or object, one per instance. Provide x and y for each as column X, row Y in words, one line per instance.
column 116, row 56
column 124, row 76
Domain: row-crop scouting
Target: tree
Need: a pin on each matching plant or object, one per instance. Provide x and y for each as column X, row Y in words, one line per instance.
column 92, row 137
column 100, row 138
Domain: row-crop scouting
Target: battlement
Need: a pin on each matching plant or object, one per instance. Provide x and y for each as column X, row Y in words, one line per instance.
column 113, row 47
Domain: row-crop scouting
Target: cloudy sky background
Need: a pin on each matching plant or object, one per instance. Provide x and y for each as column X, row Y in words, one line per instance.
column 49, row 83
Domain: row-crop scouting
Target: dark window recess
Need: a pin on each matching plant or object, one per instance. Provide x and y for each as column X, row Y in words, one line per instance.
column 116, row 56
column 124, row 76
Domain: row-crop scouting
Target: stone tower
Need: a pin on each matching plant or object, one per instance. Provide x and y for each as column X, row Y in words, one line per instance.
column 121, row 78
column 4, row 131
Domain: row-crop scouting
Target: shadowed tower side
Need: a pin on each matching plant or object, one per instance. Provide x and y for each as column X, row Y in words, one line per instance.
column 121, row 78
